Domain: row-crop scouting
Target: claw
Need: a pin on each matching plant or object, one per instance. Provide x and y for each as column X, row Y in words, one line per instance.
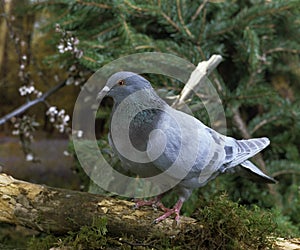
column 153, row 202
column 168, row 212
column 156, row 202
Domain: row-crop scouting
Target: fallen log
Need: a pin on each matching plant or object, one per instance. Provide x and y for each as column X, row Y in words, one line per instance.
column 58, row 211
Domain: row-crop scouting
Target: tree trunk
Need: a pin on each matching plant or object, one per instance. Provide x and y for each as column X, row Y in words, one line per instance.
column 58, row 211
column 5, row 8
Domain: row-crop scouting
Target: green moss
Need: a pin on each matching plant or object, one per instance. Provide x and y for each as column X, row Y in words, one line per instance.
column 41, row 243
column 223, row 224
column 88, row 237
column 12, row 237
column 230, row 225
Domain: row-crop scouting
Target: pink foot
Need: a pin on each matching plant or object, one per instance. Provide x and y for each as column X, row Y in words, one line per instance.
column 168, row 212
column 153, row 202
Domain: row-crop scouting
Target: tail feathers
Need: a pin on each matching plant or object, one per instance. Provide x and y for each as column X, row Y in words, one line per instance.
column 248, row 148
column 250, row 171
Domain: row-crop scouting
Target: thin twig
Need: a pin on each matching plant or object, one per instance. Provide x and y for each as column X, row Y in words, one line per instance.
column 202, row 27
column 170, row 21
column 283, row 172
column 240, row 124
column 262, row 123
column 188, row 32
column 107, row 30
column 134, row 7
column 201, row 6
column 279, row 49
column 99, row 5
column 29, row 104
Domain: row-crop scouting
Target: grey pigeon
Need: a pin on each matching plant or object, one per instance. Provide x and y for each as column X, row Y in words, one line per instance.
column 190, row 153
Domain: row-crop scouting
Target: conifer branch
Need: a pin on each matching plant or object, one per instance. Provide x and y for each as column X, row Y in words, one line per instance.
column 99, row 5
column 240, row 124
column 255, row 13
column 199, row 9
column 279, row 49
column 262, row 123
column 108, row 30
column 134, row 7
column 170, row 21
column 284, row 172
column 188, row 32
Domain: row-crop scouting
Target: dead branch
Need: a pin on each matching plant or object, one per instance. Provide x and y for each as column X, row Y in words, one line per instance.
column 58, row 211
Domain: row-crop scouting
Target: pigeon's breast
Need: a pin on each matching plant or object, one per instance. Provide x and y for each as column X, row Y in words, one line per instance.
column 141, row 127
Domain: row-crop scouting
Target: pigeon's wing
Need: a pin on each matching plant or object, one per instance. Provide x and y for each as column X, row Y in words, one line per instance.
column 191, row 149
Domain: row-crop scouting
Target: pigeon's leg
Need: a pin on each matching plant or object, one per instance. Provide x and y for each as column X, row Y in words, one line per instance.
column 153, row 202
column 168, row 212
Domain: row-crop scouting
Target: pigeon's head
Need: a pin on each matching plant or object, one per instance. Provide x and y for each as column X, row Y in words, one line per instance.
column 122, row 84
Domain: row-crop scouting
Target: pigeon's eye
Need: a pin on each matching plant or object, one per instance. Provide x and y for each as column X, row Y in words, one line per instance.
column 121, row 82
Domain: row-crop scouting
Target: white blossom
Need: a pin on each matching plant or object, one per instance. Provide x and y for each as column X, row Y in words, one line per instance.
column 79, row 54
column 38, row 94
column 16, row 132
column 72, row 68
column 79, row 133
column 59, row 118
column 70, row 81
column 30, row 89
column 29, row 157
column 61, row 112
column 66, row 119
column 25, row 90
column 61, row 48
column 52, row 111
column 66, row 153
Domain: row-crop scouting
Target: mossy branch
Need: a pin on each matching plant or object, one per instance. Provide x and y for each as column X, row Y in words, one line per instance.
column 59, row 211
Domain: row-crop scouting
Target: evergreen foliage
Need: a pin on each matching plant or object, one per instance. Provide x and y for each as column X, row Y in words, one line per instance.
column 258, row 80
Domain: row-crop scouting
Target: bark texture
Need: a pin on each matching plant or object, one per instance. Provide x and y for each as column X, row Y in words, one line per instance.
column 58, row 211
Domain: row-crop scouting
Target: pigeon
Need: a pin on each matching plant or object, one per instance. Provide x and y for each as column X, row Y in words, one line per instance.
column 186, row 151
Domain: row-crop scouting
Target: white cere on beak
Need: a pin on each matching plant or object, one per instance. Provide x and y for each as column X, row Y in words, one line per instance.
column 103, row 92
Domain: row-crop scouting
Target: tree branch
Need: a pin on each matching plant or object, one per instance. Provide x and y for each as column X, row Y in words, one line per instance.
column 201, row 6
column 241, row 125
column 197, row 77
column 29, row 104
column 59, row 211
column 284, row 172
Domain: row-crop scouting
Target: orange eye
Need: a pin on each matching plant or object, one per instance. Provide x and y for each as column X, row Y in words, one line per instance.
column 121, row 82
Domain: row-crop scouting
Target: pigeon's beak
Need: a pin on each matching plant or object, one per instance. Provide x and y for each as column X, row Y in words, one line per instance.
column 103, row 93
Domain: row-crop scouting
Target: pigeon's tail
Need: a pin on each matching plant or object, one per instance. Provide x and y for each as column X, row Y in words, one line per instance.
column 245, row 149
column 250, row 171
column 238, row 159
